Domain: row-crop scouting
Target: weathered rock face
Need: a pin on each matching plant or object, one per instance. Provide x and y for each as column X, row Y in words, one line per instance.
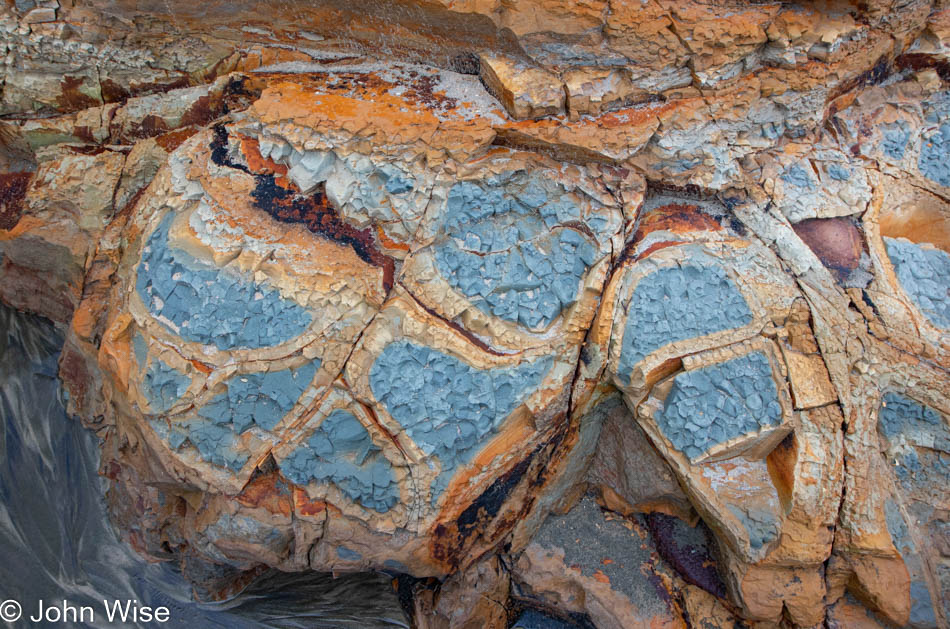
column 394, row 288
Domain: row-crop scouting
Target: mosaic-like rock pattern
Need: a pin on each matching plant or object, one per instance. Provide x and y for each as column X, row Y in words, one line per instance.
column 407, row 288
column 258, row 398
column 719, row 403
column 500, row 253
column 923, row 273
column 917, row 442
column 205, row 305
column 341, row 452
column 680, row 303
column 448, row 408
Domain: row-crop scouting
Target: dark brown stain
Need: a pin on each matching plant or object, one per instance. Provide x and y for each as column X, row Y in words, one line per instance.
column 13, row 187
column 693, row 562
column 318, row 215
column 113, row 92
column 150, row 127
column 86, row 150
column 84, row 133
column 456, row 543
column 836, row 241
column 70, row 98
column 35, row 291
column 921, row 61
column 877, row 74
column 204, row 110
column 74, row 373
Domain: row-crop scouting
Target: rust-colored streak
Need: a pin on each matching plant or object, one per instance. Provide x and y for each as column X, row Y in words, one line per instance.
column 70, row 98
column 285, row 203
column 455, row 542
column 304, row 506
column 203, row 111
column 173, row 139
column 260, row 165
column 150, row 127
column 922, row 61
column 678, row 218
column 200, row 366
column 656, row 247
column 781, row 465
column 474, row 340
column 270, row 492
column 319, row 216
column 388, row 242
column 13, row 187
column 675, row 218
column 113, row 92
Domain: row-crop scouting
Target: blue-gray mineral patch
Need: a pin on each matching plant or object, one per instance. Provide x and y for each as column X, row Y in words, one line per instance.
column 341, row 452
column 448, row 408
column 715, row 404
column 678, row 303
column 924, row 274
column 209, row 305
column 507, row 249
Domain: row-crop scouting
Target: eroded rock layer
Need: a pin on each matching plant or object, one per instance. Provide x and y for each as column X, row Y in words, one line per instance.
column 610, row 314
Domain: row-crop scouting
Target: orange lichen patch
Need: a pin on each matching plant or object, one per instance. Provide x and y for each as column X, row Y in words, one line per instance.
column 304, row 506
column 600, row 576
column 367, row 106
column 927, row 220
column 260, row 165
column 173, row 139
column 389, row 243
column 13, row 188
column 270, row 492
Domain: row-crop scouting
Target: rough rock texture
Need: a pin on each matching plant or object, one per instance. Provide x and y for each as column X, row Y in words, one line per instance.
column 422, row 287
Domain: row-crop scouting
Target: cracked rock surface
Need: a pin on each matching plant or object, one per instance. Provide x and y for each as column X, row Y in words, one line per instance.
column 564, row 314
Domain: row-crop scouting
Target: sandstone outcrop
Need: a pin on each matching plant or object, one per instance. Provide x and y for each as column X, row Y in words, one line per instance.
column 610, row 313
